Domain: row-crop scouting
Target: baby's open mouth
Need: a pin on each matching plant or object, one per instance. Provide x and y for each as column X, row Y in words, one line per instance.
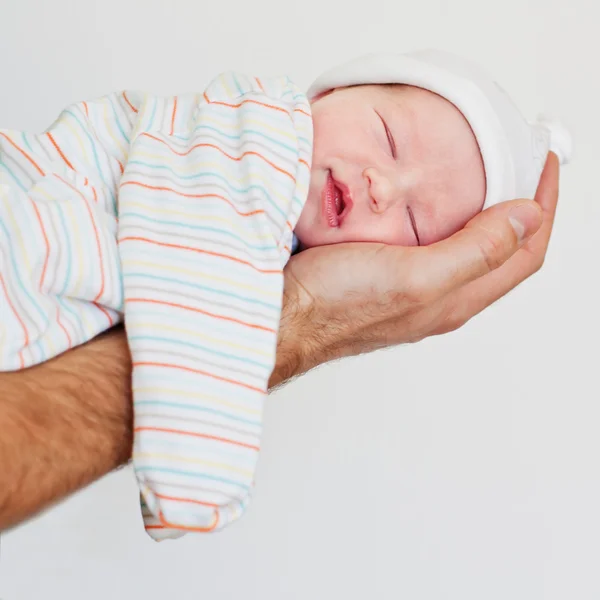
column 339, row 200
column 335, row 206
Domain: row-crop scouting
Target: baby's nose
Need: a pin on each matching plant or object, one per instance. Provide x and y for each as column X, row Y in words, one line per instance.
column 382, row 191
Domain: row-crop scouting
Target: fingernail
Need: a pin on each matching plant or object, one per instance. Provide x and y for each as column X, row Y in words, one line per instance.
column 525, row 220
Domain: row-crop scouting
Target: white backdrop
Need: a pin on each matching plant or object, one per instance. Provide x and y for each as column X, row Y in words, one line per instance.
column 464, row 467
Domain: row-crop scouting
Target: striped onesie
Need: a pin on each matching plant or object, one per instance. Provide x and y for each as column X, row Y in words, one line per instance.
column 176, row 216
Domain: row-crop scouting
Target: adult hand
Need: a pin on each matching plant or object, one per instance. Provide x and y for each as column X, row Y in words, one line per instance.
column 355, row 298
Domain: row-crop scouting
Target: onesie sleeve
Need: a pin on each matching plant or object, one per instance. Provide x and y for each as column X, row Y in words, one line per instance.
column 211, row 193
column 59, row 267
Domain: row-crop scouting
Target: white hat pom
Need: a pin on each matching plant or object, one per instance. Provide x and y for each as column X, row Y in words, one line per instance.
column 561, row 142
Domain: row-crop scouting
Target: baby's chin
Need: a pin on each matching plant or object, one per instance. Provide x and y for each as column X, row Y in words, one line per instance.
column 308, row 229
column 307, row 238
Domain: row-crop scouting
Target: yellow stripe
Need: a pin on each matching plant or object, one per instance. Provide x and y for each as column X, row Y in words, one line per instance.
column 200, row 275
column 224, row 84
column 169, row 159
column 189, row 332
column 23, row 247
column 196, row 461
column 230, row 124
column 109, row 130
column 17, row 229
column 151, row 208
column 83, row 314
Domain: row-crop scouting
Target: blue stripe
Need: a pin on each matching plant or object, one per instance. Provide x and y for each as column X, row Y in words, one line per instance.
column 205, row 288
column 216, row 175
column 26, row 142
column 235, row 269
column 237, row 84
column 69, row 254
column 153, row 114
column 77, row 318
column 15, row 178
column 196, row 407
column 125, row 215
column 16, row 271
column 239, row 137
column 110, row 101
column 191, row 474
column 177, row 342
column 251, row 336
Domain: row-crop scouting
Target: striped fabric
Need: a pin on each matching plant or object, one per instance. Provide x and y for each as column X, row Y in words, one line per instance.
column 175, row 214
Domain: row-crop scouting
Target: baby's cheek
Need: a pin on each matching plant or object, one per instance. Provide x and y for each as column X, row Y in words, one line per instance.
column 382, row 229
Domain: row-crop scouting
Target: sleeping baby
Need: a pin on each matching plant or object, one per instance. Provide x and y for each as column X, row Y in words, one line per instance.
column 177, row 215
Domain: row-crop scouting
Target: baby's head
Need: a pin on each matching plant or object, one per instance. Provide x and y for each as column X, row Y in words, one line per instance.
column 409, row 148
column 405, row 165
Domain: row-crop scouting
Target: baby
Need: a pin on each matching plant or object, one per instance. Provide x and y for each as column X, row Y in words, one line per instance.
column 178, row 214
column 413, row 146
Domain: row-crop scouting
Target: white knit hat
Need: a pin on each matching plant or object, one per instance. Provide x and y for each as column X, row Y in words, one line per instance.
column 514, row 150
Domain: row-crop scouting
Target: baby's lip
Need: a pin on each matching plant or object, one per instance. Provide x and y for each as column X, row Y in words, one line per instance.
column 328, row 195
column 347, row 198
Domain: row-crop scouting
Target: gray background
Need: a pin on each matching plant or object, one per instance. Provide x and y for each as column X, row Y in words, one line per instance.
column 464, row 467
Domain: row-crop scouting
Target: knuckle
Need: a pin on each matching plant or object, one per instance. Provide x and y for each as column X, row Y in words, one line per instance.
column 539, row 263
column 492, row 248
column 453, row 323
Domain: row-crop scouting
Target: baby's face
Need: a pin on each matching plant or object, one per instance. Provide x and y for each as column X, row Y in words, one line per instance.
column 391, row 164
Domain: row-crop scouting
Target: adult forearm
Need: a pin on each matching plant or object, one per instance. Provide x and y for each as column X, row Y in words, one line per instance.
column 65, row 423
column 68, row 422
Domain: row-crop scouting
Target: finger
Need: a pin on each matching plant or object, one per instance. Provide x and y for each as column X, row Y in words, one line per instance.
column 547, row 197
column 485, row 244
column 477, row 295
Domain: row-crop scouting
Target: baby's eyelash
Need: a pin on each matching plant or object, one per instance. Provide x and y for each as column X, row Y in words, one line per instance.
column 389, row 135
column 414, row 224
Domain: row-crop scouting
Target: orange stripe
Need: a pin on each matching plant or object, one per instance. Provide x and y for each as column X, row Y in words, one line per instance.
column 199, row 372
column 104, row 312
column 289, row 250
column 133, row 108
column 215, row 147
column 206, row 98
column 173, row 115
column 302, row 161
column 60, row 151
column 188, row 500
column 199, row 310
column 18, row 318
column 200, row 251
column 121, row 166
column 86, row 109
column 166, row 523
column 98, row 245
column 195, row 434
column 283, row 110
column 260, row 85
column 24, row 154
column 62, row 327
column 85, row 182
column 301, row 111
column 39, row 217
column 95, row 195
column 184, row 195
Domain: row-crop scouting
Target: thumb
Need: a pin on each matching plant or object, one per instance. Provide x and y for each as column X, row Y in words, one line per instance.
column 485, row 243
